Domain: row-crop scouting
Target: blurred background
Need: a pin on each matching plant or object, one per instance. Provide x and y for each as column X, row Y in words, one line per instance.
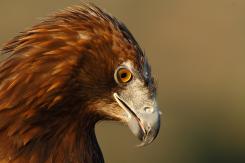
column 197, row 52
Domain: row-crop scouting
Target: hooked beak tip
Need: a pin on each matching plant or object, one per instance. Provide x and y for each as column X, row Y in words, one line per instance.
column 143, row 123
column 150, row 133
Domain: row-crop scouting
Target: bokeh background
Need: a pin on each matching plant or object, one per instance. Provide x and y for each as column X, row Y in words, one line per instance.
column 197, row 52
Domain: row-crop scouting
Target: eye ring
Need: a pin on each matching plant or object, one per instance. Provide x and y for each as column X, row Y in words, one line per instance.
column 123, row 75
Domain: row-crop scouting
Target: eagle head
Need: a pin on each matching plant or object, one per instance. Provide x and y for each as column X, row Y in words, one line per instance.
column 58, row 78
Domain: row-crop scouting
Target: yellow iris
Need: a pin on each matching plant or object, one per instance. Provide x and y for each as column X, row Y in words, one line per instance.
column 124, row 75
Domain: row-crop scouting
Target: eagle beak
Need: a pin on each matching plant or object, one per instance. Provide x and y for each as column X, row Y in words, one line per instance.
column 144, row 121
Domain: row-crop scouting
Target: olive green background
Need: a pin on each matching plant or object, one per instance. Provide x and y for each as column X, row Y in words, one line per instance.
column 196, row 49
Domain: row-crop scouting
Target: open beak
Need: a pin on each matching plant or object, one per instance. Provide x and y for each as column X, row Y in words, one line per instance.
column 143, row 118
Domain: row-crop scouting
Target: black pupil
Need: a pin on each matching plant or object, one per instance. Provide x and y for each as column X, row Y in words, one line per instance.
column 123, row 75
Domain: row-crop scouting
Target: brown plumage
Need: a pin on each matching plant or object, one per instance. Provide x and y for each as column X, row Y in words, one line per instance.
column 57, row 80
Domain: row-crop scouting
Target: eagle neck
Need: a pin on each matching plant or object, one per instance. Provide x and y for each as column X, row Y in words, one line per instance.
column 51, row 142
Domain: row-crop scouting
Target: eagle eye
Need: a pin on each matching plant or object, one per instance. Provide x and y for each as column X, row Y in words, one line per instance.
column 123, row 75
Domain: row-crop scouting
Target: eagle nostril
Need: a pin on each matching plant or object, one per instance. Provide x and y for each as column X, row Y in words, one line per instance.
column 148, row 109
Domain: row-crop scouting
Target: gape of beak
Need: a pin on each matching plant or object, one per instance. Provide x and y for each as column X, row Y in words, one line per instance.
column 144, row 121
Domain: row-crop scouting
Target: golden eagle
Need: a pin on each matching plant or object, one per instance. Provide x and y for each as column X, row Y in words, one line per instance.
column 63, row 75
